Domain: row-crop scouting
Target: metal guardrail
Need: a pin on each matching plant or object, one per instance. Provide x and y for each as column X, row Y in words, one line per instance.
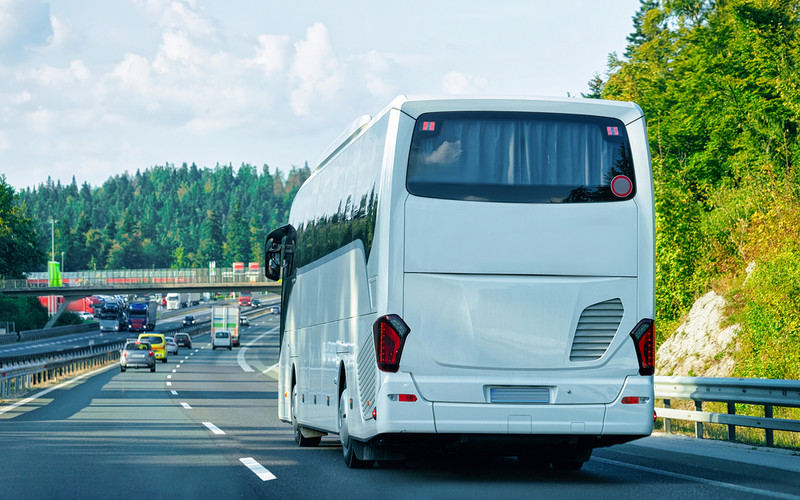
column 46, row 333
column 731, row 391
column 19, row 374
column 22, row 373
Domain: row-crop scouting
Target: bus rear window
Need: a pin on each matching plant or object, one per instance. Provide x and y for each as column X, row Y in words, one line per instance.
column 520, row 158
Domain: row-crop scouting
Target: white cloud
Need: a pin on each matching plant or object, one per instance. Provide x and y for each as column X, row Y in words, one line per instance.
column 62, row 32
column 22, row 97
column 177, row 49
column 184, row 16
column 49, row 76
column 39, row 121
column 270, row 54
column 134, row 72
column 4, row 142
column 316, row 74
column 24, row 25
column 461, row 83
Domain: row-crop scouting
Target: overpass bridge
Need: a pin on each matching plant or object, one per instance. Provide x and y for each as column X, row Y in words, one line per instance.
column 74, row 285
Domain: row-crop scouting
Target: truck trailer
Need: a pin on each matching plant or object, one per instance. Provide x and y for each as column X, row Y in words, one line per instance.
column 226, row 318
column 142, row 316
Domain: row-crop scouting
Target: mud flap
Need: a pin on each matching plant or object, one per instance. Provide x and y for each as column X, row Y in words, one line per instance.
column 367, row 451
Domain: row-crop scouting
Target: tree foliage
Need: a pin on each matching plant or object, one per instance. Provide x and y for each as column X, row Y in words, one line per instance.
column 163, row 217
column 19, row 248
column 720, row 87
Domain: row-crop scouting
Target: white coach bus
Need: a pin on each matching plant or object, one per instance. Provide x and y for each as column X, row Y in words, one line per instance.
column 472, row 274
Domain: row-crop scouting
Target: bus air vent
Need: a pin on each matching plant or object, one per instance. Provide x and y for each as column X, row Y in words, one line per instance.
column 596, row 329
column 366, row 370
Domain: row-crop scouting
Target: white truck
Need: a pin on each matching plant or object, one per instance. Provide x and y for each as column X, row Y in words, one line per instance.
column 177, row 300
column 194, row 299
column 226, row 318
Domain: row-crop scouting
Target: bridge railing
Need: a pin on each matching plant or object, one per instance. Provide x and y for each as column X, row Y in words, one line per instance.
column 140, row 277
column 765, row 393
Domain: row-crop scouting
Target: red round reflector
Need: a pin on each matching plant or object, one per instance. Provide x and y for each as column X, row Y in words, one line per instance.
column 621, row 186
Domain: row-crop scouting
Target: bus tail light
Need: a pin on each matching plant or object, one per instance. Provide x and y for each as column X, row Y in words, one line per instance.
column 635, row 400
column 390, row 333
column 644, row 340
column 403, row 398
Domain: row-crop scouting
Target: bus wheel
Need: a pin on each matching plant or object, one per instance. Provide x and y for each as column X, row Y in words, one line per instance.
column 348, row 453
column 298, row 432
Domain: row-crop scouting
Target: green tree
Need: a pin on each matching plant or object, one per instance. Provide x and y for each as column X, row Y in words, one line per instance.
column 211, row 240
column 596, row 85
column 237, row 246
column 19, row 248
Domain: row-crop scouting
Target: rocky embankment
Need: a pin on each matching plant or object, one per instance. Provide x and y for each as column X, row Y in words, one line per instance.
column 701, row 346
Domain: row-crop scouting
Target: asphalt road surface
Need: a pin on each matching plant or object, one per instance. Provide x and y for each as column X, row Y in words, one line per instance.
column 205, row 426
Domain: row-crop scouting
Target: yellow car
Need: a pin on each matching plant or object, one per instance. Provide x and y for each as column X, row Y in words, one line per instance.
column 158, row 343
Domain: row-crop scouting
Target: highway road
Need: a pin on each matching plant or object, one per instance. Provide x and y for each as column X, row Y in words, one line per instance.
column 167, row 320
column 205, row 426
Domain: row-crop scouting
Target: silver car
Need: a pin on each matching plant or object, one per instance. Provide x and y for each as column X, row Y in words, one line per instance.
column 172, row 346
column 137, row 354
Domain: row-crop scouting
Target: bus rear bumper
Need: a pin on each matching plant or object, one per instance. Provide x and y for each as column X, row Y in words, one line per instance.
column 629, row 416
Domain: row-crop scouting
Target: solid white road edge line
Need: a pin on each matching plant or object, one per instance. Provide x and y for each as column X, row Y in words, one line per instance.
column 213, row 428
column 258, row 469
column 710, row 482
column 242, row 350
column 51, row 389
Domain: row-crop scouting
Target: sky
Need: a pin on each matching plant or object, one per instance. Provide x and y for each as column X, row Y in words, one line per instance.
column 93, row 89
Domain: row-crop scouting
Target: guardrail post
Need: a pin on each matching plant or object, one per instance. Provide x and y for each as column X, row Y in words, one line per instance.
column 731, row 427
column 698, row 426
column 768, row 438
column 667, row 422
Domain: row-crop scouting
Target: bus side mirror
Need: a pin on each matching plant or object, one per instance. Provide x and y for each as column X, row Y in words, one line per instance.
column 273, row 247
column 272, row 264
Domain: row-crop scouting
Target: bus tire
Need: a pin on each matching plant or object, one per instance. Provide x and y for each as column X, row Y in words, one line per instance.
column 348, row 450
column 299, row 438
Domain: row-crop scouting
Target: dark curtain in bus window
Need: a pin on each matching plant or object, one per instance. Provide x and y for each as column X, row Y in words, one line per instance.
column 518, row 159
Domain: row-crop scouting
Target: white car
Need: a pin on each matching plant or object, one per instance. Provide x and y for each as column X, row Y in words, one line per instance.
column 172, row 346
column 221, row 339
column 85, row 315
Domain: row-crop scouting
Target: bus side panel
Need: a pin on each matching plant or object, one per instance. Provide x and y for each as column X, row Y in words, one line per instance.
column 318, row 336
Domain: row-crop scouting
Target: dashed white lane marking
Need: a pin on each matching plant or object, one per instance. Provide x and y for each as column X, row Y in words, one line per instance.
column 186, row 405
column 213, row 428
column 187, row 357
column 169, row 376
column 258, row 469
column 173, row 371
column 242, row 350
column 169, row 384
column 174, row 393
column 711, row 482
